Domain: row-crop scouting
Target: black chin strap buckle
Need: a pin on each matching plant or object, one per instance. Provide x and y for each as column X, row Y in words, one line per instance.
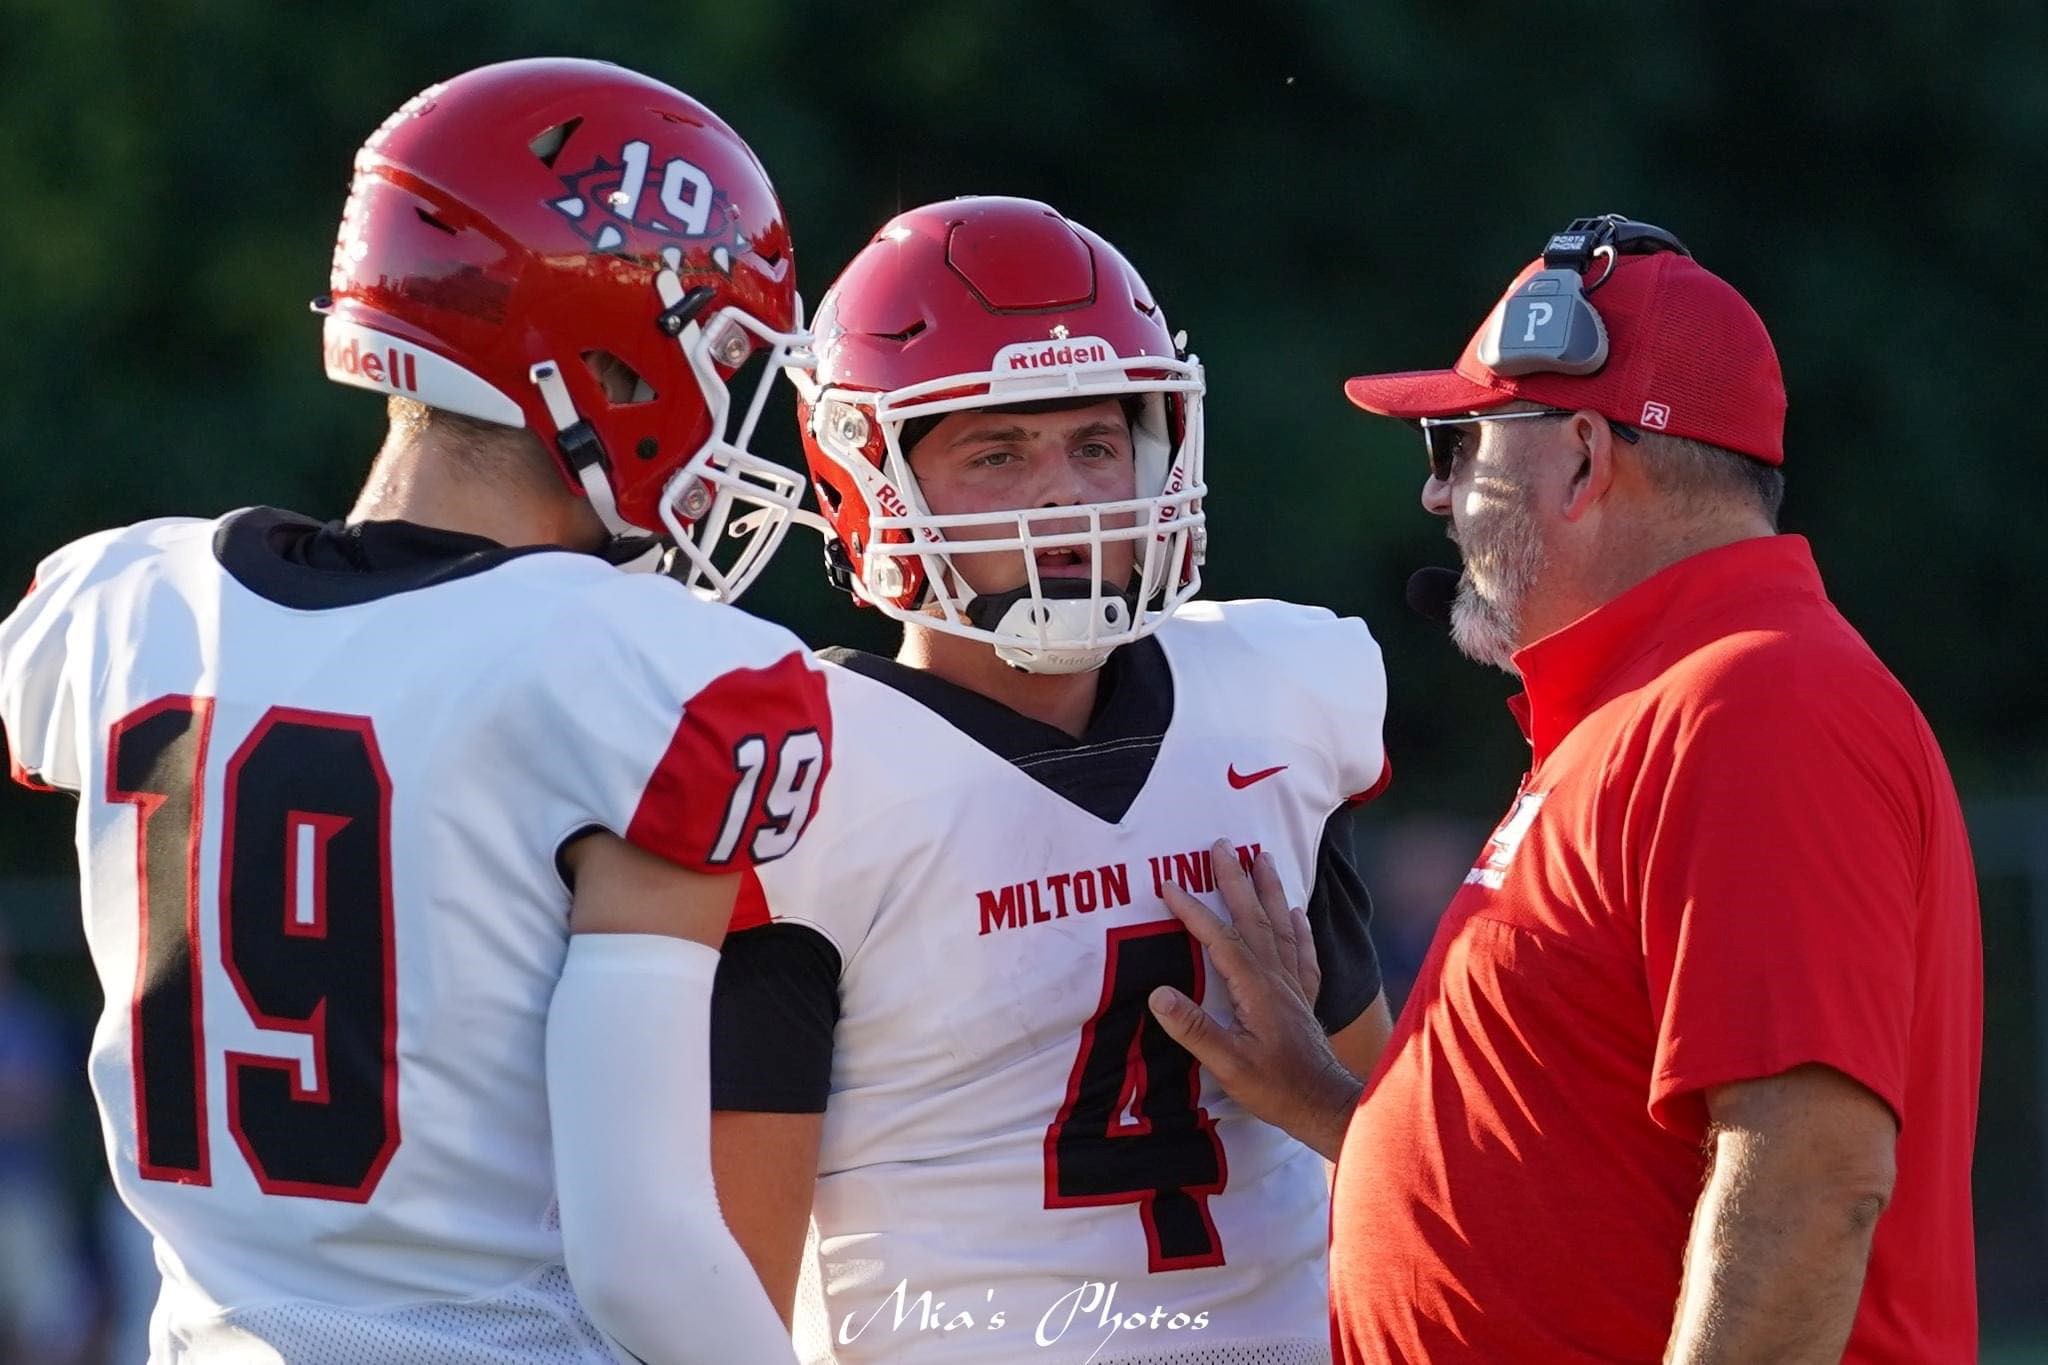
column 674, row 318
column 838, row 565
column 581, row 447
column 624, row 550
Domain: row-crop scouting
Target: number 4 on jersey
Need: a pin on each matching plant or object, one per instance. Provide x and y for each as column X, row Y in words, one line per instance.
column 1132, row 1130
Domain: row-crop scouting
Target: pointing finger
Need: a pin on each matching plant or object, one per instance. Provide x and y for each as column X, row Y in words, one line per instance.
column 1241, row 898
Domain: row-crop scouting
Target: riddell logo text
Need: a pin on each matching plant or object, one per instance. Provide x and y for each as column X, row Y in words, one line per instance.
column 890, row 501
column 1175, row 481
column 1054, row 354
column 392, row 369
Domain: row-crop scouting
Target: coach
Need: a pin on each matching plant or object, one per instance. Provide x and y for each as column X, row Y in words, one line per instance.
column 1692, row 1065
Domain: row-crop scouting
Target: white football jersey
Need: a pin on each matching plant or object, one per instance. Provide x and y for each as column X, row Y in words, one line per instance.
column 1018, row 1165
column 317, row 829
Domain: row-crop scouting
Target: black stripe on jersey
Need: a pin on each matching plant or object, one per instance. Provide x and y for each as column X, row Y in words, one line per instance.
column 1102, row 771
column 297, row 562
column 1340, row 920
column 775, row 1006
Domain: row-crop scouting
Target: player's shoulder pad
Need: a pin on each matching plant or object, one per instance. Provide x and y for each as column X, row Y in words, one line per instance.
column 658, row 646
column 1294, row 637
column 882, row 730
column 35, row 635
column 1304, row 662
column 65, row 573
column 103, row 554
column 659, row 615
column 666, row 703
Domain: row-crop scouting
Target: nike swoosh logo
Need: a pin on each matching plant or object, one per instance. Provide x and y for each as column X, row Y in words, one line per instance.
column 1243, row 780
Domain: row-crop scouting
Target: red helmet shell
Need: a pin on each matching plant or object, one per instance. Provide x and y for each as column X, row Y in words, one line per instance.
column 941, row 291
column 519, row 213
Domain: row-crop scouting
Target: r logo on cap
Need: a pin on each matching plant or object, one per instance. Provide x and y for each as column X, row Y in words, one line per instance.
column 1656, row 415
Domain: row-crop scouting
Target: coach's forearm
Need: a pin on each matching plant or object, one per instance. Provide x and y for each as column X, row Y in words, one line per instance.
column 1774, row 1267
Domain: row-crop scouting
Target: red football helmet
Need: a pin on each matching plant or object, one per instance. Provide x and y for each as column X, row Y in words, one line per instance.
column 993, row 303
column 514, row 230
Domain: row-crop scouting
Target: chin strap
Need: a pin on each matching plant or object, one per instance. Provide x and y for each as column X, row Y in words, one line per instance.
column 627, row 546
column 1048, row 632
column 581, row 448
column 634, row 554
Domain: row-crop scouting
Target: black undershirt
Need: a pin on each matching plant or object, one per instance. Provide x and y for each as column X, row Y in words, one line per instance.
column 776, row 1004
column 1102, row 772
column 297, row 562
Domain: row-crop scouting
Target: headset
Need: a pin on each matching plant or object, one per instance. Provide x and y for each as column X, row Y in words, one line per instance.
column 1549, row 325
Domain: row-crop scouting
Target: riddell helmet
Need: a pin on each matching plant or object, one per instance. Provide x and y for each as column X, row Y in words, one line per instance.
column 516, row 229
column 992, row 303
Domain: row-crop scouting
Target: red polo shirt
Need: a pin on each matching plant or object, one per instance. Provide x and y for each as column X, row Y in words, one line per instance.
column 1737, row 851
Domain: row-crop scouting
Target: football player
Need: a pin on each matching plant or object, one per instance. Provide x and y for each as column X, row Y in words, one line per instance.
column 933, row 1038
column 408, row 839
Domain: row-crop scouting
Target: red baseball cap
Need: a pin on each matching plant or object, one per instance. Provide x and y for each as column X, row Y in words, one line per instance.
column 1686, row 355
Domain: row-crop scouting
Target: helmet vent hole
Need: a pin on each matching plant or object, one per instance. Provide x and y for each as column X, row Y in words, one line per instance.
column 771, row 258
column 431, row 221
column 622, row 384
column 549, row 144
column 906, row 334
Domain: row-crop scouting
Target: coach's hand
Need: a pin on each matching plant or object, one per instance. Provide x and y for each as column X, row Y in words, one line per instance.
column 1275, row 1059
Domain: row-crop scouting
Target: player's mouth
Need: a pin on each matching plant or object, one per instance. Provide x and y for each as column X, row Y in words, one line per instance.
column 1074, row 562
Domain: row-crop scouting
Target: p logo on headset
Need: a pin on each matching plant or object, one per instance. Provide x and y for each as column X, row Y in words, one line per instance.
column 1549, row 325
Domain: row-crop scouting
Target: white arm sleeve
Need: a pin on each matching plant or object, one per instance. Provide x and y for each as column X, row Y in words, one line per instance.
column 629, row 1102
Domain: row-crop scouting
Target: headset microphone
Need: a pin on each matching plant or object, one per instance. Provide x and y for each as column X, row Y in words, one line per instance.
column 1431, row 592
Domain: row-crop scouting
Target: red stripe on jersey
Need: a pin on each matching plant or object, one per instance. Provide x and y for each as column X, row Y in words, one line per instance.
column 23, row 775
column 743, row 770
column 1372, row 792
column 15, row 769
column 750, row 907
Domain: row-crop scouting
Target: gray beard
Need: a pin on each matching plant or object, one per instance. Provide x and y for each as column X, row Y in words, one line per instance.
column 1487, row 626
column 1484, row 630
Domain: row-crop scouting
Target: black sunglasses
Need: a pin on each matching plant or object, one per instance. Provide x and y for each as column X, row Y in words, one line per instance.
column 1444, row 437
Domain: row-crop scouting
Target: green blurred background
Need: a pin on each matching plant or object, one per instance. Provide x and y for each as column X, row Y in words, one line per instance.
column 1313, row 190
